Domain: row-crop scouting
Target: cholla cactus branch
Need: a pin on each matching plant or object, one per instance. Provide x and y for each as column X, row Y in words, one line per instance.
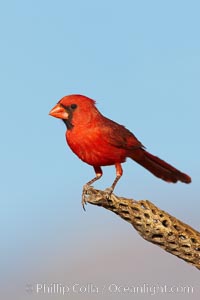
column 153, row 224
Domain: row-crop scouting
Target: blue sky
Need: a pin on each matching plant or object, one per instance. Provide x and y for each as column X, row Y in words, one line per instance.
column 140, row 60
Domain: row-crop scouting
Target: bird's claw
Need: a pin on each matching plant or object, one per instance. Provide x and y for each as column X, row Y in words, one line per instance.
column 86, row 187
column 108, row 192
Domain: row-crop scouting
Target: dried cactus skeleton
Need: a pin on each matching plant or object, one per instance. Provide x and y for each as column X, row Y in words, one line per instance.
column 153, row 224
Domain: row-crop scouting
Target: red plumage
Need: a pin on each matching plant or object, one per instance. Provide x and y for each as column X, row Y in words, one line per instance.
column 99, row 141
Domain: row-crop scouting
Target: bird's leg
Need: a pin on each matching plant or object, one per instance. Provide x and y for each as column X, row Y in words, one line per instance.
column 86, row 187
column 119, row 173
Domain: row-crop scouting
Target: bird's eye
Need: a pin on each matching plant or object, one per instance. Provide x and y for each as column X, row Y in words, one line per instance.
column 73, row 106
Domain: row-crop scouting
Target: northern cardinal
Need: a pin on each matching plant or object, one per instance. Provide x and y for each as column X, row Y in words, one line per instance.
column 99, row 141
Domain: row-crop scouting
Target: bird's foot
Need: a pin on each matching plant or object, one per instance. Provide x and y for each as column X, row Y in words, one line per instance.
column 86, row 188
column 108, row 192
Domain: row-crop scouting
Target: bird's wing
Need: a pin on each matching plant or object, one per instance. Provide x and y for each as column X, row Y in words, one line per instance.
column 119, row 136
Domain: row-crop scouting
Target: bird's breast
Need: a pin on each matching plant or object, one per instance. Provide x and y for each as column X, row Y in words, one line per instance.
column 92, row 148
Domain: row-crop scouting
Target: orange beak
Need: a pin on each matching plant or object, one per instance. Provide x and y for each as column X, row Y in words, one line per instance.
column 59, row 112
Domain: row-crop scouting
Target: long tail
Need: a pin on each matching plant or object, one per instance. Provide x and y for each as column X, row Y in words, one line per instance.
column 158, row 167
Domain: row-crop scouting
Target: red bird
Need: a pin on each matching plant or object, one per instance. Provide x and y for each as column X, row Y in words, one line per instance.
column 99, row 141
